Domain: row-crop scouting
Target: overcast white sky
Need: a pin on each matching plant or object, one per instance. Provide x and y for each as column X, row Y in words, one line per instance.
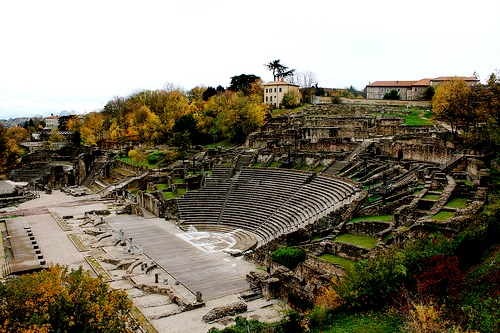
column 77, row 55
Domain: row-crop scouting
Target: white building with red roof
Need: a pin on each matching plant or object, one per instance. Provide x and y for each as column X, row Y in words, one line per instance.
column 274, row 91
column 411, row 90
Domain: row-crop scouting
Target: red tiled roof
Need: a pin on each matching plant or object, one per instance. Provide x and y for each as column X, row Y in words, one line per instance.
column 423, row 82
column 448, row 78
column 280, row 83
column 392, row 84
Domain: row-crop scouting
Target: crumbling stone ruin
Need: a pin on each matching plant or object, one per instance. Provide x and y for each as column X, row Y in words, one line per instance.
column 307, row 179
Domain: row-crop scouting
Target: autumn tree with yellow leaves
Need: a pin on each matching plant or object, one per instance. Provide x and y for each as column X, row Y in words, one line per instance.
column 60, row 300
column 457, row 104
column 10, row 145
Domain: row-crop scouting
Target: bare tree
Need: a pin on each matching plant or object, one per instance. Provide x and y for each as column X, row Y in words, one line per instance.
column 306, row 79
column 170, row 86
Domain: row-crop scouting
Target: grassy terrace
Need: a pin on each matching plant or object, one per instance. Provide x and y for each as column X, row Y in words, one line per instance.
column 161, row 187
column 383, row 218
column 365, row 322
column 78, row 243
column 144, row 163
column 98, row 269
column 457, row 203
column 415, row 117
column 495, row 176
column 443, row 215
column 344, row 263
column 170, row 195
column 319, row 168
column 433, row 197
column 64, row 226
column 274, row 164
column 143, row 321
column 360, row 240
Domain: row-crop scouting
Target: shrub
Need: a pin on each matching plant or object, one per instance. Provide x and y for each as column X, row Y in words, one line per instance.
column 154, row 157
column 289, row 257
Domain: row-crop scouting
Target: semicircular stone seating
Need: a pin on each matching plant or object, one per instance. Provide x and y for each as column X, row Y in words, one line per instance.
column 266, row 202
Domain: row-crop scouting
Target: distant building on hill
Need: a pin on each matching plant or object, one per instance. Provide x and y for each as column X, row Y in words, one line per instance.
column 52, row 122
column 411, row 90
column 274, row 91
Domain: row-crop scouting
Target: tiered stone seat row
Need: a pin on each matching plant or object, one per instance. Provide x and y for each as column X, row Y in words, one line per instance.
column 267, row 202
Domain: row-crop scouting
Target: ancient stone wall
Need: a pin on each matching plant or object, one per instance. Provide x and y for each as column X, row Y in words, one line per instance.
column 346, row 250
column 367, row 228
column 171, row 210
column 122, row 165
column 149, row 202
column 337, row 145
column 415, row 151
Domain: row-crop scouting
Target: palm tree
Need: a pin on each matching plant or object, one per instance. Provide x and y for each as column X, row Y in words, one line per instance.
column 279, row 70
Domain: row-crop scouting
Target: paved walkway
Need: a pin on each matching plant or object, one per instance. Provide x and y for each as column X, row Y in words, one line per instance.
column 195, row 268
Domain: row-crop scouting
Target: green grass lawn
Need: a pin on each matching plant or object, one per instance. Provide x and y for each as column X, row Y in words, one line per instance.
column 258, row 165
column 364, row 322
column 278, row 112
column 372, row 185
column 344, row 263
column 128, row 160
column 373, row 199
column 274, row 164
column 434, row 197
column 495, row 176
column 224, row 144
column 168, row 195
column 466, row 182
column 319, row 168
column 161, row 187
column 443, row 215
column 78, row 243
column 457, row 203
column 360, row 240
column 387, row 237
column 98, row 269
column 179, row 180
column 299, row 108
column 414, row 117
column 304, row 167
column 383, row 218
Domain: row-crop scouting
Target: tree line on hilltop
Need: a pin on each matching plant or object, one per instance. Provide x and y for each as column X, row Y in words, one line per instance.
column 205, row 115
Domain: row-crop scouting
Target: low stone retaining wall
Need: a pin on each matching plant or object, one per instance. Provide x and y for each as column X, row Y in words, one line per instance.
column 224, row 311
column 348, row 251
column 172, row 295
column 367, row 228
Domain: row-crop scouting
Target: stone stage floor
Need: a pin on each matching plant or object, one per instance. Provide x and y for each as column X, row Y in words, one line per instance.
column 196, row 259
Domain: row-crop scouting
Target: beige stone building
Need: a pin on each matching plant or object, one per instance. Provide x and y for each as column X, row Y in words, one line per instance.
column 411, row 90
column 274, row 91
column 52, row 122
column 470, row 80
column 378, row 89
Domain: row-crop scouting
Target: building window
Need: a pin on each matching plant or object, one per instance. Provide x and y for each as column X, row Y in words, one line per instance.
column 270, row 98
column 280, row 89
column 266, row 97
column 266, row 90
column 274, row 89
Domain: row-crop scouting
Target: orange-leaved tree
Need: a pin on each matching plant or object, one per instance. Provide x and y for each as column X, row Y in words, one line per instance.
column 60, row 300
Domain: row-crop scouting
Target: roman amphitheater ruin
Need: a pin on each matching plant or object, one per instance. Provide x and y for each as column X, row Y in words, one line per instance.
column 306, row 179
